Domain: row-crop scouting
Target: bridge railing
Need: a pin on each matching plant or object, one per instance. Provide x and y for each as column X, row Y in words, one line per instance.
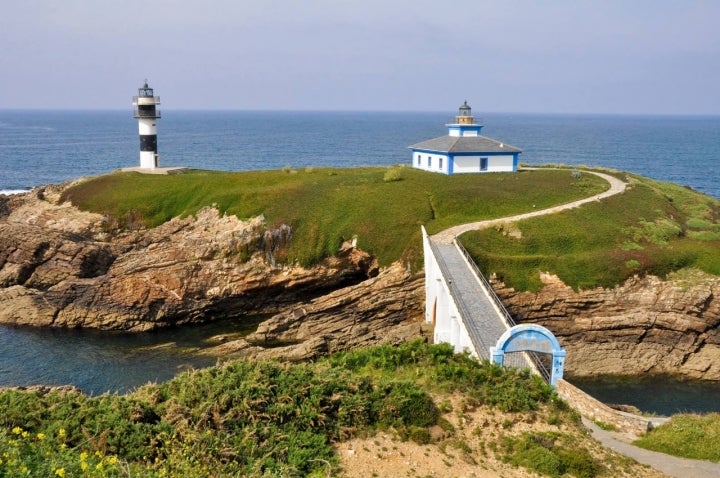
column 534, row 356
column 475, row 336
column 506, row 315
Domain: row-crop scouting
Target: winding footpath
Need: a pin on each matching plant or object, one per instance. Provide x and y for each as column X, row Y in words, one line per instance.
column 670, row 465
column 448, row 235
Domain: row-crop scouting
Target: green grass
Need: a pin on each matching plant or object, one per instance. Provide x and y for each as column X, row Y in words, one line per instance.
column 688, row 436
column 654, row 228
column 252, row 418
column 382, row 207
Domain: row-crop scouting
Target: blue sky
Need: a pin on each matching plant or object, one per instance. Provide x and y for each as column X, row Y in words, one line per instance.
column 563, row 56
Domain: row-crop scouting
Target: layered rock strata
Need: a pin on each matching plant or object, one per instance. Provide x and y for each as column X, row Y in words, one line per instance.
column 645, row 326
column 60, row 267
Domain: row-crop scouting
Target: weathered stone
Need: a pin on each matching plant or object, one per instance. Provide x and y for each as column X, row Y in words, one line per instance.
column 60, row 267
column 646, row 325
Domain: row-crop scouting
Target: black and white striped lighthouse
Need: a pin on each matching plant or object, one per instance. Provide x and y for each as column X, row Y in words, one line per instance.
column 147, row 114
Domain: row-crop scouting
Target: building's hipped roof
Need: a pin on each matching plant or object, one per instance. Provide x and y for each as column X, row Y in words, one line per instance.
column 465, row 144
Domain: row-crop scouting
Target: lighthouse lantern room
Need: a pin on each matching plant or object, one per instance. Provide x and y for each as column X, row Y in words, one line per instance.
column 146, row 112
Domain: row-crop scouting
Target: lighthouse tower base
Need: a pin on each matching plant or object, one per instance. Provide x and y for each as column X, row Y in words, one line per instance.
column 148, row 159
column 168, row 170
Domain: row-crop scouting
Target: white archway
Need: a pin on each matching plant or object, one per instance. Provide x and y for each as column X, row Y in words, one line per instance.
column 530, row 338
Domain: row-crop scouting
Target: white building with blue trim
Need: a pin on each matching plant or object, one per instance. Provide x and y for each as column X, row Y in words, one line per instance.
column 464, row 150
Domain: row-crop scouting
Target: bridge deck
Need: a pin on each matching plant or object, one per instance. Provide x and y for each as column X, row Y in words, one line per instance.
column 482, row 321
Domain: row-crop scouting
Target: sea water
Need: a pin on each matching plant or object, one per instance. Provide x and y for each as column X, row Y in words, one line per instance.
column 41, row 147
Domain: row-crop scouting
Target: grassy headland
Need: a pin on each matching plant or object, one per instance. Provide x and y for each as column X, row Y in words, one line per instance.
column 688, row 436
column 654, row 228
column 326, row 206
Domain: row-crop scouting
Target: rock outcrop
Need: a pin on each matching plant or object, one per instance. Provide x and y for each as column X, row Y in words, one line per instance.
column 645, row 326
column 60, row 267
column 372, row 312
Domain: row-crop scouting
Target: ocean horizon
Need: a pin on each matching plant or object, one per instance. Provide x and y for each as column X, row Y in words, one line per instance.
column 40, row 147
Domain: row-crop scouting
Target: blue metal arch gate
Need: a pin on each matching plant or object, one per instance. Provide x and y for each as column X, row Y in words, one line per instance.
column 530, row 338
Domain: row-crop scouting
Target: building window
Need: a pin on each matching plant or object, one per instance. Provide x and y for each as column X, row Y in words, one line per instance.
column 483, row 164
column 440, row 161
column 419, row 157
column 429, row 161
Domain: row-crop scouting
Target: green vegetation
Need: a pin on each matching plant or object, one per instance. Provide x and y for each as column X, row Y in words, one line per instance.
column 382, row 207
column 653, row 227
column 252, row 418
column 688, row 436
column 550, row 454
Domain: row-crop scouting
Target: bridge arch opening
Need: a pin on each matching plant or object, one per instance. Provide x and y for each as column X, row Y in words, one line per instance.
column 531, row 338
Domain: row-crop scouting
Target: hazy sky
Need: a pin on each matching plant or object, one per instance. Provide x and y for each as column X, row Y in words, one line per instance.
column 566, row 56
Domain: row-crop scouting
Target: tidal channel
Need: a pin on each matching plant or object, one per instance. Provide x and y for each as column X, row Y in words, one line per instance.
column 97, row 362
column 101, row 361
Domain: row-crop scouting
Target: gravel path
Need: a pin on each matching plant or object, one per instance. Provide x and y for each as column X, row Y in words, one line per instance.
column 447, row 236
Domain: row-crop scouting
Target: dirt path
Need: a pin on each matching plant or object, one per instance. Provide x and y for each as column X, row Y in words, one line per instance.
column 447, row 236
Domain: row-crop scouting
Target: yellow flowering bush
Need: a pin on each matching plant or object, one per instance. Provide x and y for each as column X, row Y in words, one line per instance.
column 244, row 418
column 25, row 454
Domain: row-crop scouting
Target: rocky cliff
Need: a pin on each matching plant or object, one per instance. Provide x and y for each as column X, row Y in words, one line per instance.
column 61, row 267
column 646, row 325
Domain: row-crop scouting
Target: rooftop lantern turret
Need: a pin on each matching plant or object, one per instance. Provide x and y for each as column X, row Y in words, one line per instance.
column 145, row 91
column 464, row 114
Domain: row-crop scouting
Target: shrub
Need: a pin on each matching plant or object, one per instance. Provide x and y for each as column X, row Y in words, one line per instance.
column 697, row 223
column 393, row 174
column 419, row 435
column 252, row 418
column 404, row 404
column 550, row 454
column 704, row 235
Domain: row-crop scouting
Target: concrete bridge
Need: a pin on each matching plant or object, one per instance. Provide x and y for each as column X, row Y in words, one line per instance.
column 465, row 311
